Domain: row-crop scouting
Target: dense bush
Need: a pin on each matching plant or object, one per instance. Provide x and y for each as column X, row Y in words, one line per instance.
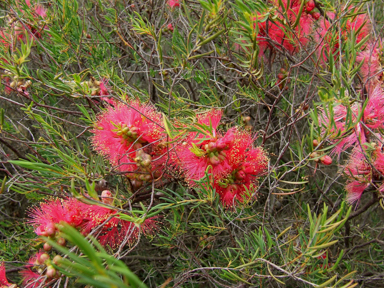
column 218, row 143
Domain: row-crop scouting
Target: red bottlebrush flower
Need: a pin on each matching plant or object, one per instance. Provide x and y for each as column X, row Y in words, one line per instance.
column 243, row 178
column 115, row 230
column 330, row 40
column 3, row 279
column 53, row 212
column 32, row 279
column 371, row 69
column 207, row 148
column 373, row 118
column 359, row 173
column 374, row 111
column 120, row 131
column 210, row 148
column 292, row 41
column 338, row 130
column 174, row 3
column 39, row 9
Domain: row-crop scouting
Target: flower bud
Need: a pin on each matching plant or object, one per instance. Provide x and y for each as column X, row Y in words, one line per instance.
column 136, row 183
column 314, row 155
column 281, row 76
column 47, row 247
column 56, row 260
column 106, row 197
column 310, row 5
column 43, row 257
column 51, row 272
column 61, row 241
column 315, row 143
column 50, row 229
column 316, row 15
column 240, row 174
column 326, row 160
column 170, row 27
column 214, row 160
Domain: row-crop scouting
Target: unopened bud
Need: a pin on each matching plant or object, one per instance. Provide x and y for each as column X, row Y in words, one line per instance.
column 315, row 143
column 214, row 160
column 310, row 5
column 51, row 272
column 326, row 160
column 314, row 155
column 43, row 257
column 61, row 241
column 106, row 197
column 47, row 247
column 56, row 260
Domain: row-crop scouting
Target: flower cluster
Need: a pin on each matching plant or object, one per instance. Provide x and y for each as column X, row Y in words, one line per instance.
column 330, row 42
column 364, row 169
column 104, row 222
column 358, row 126
column 272, row 34
column 230, row 158
column 47, row 217
column 133, row 141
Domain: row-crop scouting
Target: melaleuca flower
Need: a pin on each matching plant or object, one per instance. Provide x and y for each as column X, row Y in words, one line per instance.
column 292, row 41
column 365, row 168
column 329, row 39
column 373, row 118
column 38, row 9
column 3, row 279
column 113, row 230
column 173, row 3
column 371, row 68
column 38, row 12
column 129, row 136
column 33, row 276
column 52, row 212
column 242, row 181
column 224, row 154
column 204, row 148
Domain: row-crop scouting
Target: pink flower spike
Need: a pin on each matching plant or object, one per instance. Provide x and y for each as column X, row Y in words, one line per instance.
column 41, row 11
column 3, row 279
column 121, row 130
column 32, row 279
column 355, row 189
column 173, row 3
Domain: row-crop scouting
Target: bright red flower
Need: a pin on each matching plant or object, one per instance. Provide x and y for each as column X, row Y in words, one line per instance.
column 242, row 181
column 373, row 118
column 3, row 279
column 292, row 41
column 174, row 3
column 329, row 39
column 52, row 212
column 128, row 135
column 32, row 279
column 113, row 230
